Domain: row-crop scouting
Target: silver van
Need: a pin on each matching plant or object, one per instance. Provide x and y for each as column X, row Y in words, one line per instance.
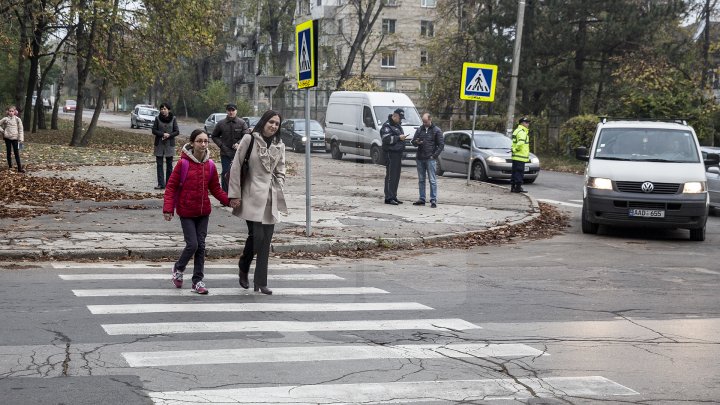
column 354, row 118
column 646, row 174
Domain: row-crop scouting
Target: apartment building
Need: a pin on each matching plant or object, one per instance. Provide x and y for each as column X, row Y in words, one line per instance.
column 395, row 49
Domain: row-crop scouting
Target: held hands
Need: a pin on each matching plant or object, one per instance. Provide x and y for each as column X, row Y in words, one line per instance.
column 234, row 202
column 168, row 215
column 166, row 136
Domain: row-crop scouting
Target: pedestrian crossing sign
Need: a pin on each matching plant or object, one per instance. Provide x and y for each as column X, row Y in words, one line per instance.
column 306, row 53
column 478, row 82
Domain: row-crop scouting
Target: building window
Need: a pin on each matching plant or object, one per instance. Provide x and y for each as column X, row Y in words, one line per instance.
column 387, row 85
column 340, row 24
column 428, row 3
column 391, row 3
column 388, row 26
column 427, row 29
column 319, row 2
column 388, row 59
column 423, row 58
column 424, row 88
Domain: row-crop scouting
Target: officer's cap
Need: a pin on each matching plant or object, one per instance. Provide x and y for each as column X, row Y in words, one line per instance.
column 524, row 120
column 399, row 112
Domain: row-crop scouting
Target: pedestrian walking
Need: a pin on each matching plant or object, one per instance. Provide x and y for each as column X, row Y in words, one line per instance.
column 165, row 130
column 12, row 130
column 520, row 154
column 393, row 144
column 187, row 194
column 258, row 195
column 429, row 140
column 227, row 135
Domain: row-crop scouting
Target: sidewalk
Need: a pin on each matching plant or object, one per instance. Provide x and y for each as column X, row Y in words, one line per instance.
column 348, row 212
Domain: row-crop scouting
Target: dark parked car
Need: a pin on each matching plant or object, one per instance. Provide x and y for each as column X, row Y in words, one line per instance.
column 491, row 153
column 293, row 134
column 212, row 120
column 713, row 178
column 251, row 121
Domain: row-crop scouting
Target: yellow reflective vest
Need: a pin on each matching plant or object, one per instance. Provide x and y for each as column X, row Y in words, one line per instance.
column 521, row 144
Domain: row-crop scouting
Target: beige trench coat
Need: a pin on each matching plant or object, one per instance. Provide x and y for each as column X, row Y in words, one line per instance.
column 261, row 197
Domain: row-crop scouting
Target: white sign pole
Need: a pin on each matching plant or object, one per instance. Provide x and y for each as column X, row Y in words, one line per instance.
column 308, row 144
column 472, row 144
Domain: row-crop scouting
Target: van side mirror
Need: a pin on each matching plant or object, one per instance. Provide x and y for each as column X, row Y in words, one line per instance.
column 368, row 121
column 712, row 159
column 581, row 153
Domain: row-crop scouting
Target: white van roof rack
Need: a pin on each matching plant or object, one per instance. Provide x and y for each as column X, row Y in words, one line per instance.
column 604, row 119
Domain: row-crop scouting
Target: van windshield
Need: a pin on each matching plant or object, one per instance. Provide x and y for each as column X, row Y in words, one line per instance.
column 411, row 115
column 647, row 144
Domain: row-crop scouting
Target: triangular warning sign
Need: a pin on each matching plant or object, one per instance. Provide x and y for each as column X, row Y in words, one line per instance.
column 478, row 83
column 304, row 54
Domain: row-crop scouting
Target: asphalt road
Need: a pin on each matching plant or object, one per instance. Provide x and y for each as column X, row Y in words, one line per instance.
column 625, row 316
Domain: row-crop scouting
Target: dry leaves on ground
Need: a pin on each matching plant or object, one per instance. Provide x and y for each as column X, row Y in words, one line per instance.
column 22, row 195
column 551, row 222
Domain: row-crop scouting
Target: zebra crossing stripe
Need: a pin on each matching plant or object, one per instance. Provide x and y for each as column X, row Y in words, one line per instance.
column 168, row 266
column 326, row 353
column 220, row 276
column 256, row 307
column 465, row 391
column 130, row 292
column 285, row 326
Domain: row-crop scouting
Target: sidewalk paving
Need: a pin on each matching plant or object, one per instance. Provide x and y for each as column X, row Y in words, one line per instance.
column 348, row 212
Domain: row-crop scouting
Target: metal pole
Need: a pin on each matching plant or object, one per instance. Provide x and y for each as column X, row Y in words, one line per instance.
column 308, row 143
column 472, row 144
column 515, row 67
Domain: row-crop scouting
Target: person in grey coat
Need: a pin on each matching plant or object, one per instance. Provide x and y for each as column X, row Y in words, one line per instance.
column 165, row 130
column 260, row 196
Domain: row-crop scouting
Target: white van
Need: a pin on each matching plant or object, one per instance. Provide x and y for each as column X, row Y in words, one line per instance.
column 647, row 174
column 353, row 120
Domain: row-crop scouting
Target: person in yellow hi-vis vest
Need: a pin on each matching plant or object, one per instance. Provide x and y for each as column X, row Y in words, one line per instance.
column 520, row 154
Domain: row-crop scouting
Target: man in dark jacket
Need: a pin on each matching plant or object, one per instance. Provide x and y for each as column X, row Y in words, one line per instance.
column 393, row 143
column 227, row 135
column 429, row 140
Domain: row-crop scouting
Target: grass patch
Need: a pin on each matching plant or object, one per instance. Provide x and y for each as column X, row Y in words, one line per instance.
column 564, row 164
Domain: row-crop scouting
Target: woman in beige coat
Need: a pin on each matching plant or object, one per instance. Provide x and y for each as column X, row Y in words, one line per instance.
column 260, row 197
column 11, row 128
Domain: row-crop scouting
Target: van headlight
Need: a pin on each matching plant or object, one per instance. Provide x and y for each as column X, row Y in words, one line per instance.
column 599, row 183
column 694, row 187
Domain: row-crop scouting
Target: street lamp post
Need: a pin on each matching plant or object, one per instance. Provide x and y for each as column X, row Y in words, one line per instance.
column 515, row 67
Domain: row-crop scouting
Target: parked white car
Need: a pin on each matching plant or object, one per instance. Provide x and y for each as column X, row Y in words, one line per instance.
column 212, row 120
column 143, row 117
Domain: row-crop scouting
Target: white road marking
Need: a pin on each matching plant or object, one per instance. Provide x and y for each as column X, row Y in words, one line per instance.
column 285, row 326
column 168, row 266
column 128, row 292
column 325, row 353
column 256, row 307
column 221, row 276
column 465, row 391
column 555, row 202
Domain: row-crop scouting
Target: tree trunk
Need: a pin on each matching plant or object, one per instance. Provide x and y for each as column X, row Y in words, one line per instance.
column 96, row 115
column 577, row 78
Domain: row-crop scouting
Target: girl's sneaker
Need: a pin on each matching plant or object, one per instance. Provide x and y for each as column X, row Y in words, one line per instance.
column 199, row 288
column 177, row 277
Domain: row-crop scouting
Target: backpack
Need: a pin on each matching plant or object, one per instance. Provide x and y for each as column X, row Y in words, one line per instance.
column 184, row 167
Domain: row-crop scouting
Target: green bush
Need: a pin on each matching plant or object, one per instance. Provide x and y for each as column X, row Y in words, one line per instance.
column 577, row 131
column 484, row 123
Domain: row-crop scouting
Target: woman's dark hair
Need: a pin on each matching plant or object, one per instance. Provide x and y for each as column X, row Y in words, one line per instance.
column 264, row 119
column 195, row 134
column 166, row 105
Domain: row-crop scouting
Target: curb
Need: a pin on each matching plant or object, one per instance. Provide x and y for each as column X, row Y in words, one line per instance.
column 310, row 246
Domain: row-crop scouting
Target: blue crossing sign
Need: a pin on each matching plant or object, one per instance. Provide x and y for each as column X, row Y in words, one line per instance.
column 478, row 82
column 306, row 39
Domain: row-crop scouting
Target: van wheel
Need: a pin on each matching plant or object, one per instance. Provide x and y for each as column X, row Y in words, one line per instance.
column 478, row 171
column 587, row 226
column 697, row 234
column 335, row 151
column 438, row 169
column 376, row 155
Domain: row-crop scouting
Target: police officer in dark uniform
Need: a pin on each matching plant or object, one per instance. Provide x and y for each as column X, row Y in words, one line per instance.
column 393, row 143
column 227, row 135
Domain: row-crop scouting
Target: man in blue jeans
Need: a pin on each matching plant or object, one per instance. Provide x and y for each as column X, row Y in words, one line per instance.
column 430, row 142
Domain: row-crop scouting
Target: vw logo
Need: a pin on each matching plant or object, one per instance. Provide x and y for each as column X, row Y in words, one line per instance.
column 647, row 187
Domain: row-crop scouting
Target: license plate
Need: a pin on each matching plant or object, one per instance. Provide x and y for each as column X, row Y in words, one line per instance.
column 646, row 213
column 318, row 144
column 410, row 156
